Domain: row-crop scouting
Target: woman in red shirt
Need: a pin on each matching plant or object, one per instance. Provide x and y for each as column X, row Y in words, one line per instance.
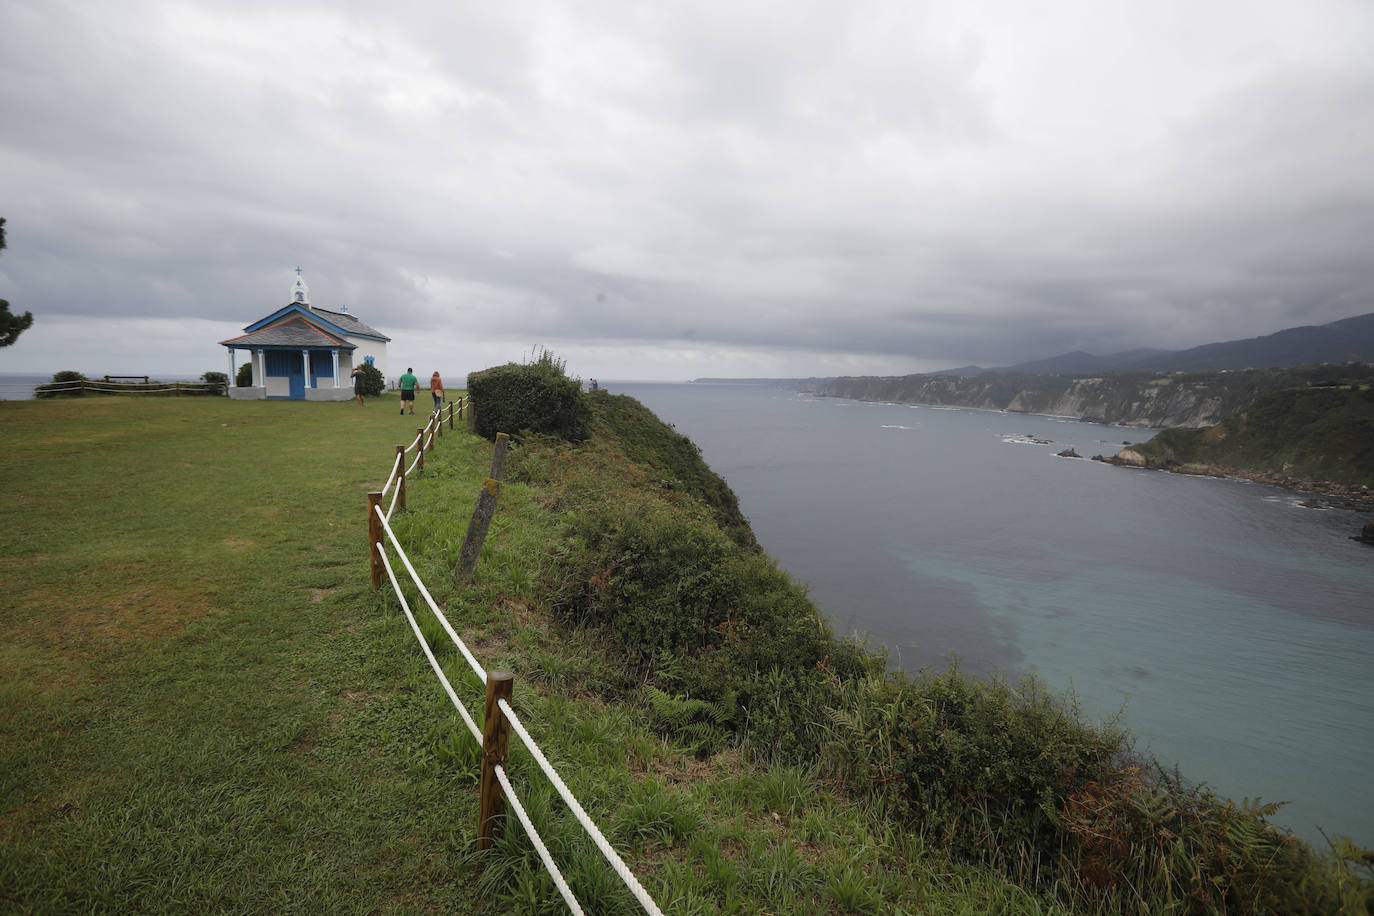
column 436, row 388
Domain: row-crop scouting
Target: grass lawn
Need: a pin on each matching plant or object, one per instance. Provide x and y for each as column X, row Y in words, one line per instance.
column 206, row 707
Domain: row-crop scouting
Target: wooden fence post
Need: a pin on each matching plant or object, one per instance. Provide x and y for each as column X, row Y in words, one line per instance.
column 495, row 743
column 450, row 415
column 401, row 480
column 438, row 421
column 498, row 455
column 433, row 440
column 420, row 449
column 477, row 529
column 374, row 536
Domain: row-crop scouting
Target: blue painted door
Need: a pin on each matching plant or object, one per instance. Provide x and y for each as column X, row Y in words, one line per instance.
column 297, row 375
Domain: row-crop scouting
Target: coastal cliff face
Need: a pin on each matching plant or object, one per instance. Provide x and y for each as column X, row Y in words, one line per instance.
column 1130, row 399
column 1317, row 439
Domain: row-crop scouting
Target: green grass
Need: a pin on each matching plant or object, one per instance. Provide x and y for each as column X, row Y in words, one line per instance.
column 207, row 708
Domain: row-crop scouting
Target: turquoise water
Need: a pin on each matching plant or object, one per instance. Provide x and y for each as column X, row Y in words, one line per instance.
column 1233, row 625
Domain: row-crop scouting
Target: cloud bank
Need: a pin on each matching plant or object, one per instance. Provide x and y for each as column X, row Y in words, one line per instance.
column 670, row 191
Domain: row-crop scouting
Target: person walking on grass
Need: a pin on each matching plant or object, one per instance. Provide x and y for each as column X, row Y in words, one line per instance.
column 436, row 388
column 408, row 383
column 357, row 376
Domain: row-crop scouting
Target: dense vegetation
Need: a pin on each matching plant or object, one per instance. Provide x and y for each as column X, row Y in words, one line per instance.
column 1318, row 434
column 534, row 397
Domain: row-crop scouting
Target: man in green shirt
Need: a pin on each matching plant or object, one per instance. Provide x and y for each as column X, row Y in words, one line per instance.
column 408, row 383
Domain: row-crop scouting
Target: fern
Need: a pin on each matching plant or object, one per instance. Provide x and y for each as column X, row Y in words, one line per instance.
column 698, row 723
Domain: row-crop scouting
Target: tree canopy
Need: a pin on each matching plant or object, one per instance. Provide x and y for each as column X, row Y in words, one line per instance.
column 11, row 326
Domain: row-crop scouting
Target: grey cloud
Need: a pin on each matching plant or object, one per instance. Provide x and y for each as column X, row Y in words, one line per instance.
column 809, row 178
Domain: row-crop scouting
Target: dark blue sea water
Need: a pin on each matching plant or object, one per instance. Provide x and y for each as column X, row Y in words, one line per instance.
column 18, row 386
column 1234, row 626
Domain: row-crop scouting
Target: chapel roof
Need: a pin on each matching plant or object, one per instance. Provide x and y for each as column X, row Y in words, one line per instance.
column 294, row 331
column 348, row 322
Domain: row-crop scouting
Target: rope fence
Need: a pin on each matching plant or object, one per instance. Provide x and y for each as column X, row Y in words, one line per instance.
column 499, row 717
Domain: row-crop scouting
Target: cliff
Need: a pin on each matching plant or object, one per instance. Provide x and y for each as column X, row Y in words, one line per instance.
column 1319, row 439
column 1191, row 400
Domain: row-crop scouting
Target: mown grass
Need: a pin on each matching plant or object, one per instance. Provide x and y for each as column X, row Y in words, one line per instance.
column 207, row 708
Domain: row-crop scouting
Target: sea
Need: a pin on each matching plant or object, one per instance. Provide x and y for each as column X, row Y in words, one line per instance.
column 18, row 386
column 1229, row 624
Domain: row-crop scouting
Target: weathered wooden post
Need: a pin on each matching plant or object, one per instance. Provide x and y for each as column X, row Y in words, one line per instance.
column 498, row 455
column 477, row 529
column 401, row 478
column 420, row 449
column 450, row 415
column 374, row 536
column 495, row 744
column 434, row 422
column 438, row 421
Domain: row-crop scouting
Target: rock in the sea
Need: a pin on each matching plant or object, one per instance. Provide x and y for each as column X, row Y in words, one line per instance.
column 1367, row 536
column 1069, row 453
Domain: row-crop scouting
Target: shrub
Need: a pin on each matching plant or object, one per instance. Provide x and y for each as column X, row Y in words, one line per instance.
column 244, row 377
column 535, row 397
column 218, row 379
column 60, row 385
column 373, row 381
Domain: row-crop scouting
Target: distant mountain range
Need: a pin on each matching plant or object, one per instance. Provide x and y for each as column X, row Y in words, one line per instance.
column 1347, row 340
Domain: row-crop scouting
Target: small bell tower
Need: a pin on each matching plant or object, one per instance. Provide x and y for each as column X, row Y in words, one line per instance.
column 300, row 293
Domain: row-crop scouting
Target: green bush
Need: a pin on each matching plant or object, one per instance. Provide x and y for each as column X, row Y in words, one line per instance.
column 535, row 397
column 373, row 381
column 59, row 386
column 218, row 379
column 244, row 377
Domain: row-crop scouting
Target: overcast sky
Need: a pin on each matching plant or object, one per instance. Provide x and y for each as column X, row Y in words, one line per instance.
column 672, row 190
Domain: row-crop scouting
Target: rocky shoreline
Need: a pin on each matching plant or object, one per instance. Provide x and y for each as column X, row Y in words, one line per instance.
column 1344, row 496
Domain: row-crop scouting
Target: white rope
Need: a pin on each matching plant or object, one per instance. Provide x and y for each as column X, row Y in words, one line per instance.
column 395, row 466
column 538, row 843
column 611, row 855
column 411, row 469
column 433, row 662
column 414, row 441
column 392, row 508
column 448, row 628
